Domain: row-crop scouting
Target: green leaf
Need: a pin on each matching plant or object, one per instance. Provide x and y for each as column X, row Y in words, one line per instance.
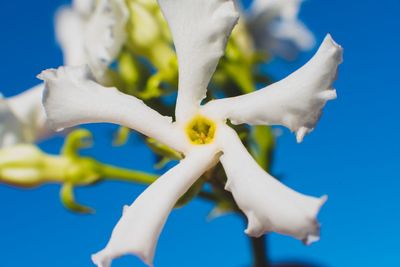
column 153, row 86
column 241, row 75
column 162, row 163
column 68, row 199
column 128, row 68
column 76, row 140
column 221, row 208
column 122, row 136
column 163, row 150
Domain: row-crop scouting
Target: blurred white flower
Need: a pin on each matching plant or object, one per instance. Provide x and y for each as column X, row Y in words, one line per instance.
column 92, row 32
column 200, row 30
column 22, row 118
column 276, row 29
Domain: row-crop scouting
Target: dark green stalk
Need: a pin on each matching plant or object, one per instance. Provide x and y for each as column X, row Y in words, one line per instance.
column 259, row 250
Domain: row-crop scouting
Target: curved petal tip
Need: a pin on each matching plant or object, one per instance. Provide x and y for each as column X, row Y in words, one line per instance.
column 104, row 257
column 101, row 261
column 330, row 44
column 315, row 236
column 48, row 74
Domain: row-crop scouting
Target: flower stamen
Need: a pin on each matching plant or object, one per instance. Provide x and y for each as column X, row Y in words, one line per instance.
column 201, row 130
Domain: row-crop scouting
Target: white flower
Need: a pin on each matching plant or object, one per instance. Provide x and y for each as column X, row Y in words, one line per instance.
column 275, row 27
column 92, row 32
column 200, row 30
column 22, row 118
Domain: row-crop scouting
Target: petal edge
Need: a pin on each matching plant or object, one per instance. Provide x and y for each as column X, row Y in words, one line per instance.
column 269, row 205
column 138, row 229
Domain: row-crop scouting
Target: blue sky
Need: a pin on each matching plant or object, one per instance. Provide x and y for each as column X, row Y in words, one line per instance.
column 353, row 156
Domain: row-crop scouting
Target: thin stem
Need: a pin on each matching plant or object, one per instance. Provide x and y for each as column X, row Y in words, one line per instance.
column 259, row 249
column 120, row 174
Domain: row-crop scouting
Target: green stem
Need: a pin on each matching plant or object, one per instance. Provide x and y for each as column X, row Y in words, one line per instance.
column 120, row 174
column 259, row 249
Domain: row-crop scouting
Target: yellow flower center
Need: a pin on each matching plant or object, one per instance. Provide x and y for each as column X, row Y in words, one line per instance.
column 201, row 130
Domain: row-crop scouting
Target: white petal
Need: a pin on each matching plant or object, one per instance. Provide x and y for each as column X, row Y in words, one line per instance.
column 72, row 97
column 276, row 28
column 295, row 102
column 84, row 7
column 265, row 11
column 294, row 31
column 11, row 128
column 269, row 205
column 200, row 31
column 138, row 229
column 70, row 36
column 105, row 34
column 22, row 118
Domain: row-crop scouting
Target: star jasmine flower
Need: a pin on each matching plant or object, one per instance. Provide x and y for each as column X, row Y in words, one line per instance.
column 22, row 118
column 200, row 30
column 275, row 27
column 92, row 32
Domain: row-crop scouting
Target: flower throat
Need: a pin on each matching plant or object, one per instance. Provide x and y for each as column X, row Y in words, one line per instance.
column 201, row 130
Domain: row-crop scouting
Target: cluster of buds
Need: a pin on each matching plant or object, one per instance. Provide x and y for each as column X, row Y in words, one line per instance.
column 26, row 166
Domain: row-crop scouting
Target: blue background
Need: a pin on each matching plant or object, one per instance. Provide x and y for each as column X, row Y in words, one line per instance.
column 353, row 156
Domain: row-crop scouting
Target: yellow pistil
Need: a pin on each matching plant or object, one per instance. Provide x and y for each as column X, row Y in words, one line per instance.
column 201, row 130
